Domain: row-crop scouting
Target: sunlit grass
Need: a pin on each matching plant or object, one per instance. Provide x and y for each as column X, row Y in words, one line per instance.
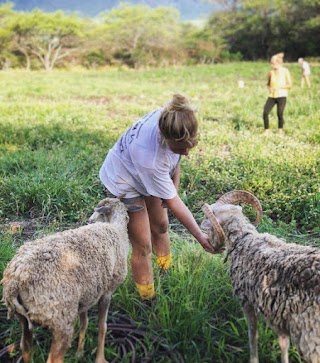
column 55, row 131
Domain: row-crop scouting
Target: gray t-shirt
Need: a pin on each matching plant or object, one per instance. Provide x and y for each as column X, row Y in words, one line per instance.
column 140, row 163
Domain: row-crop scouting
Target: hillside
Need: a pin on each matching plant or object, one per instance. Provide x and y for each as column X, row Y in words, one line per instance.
column 189, row 9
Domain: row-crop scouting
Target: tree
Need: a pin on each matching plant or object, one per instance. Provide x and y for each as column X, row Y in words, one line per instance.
column 139, row 34
column 5, row 35
column 47, row 36
column 228, row 5
column 202, row 45
column 301, row 18
column 259, row 28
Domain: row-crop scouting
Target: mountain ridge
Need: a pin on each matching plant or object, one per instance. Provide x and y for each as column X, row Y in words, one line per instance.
column 189, row 9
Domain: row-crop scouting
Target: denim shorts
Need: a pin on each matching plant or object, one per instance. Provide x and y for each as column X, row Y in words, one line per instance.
column 128, row 201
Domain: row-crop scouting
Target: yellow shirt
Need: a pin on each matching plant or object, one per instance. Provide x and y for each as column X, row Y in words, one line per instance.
column 279, row 80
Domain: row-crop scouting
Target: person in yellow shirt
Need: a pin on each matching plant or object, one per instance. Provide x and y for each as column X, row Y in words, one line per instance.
column 279, row 82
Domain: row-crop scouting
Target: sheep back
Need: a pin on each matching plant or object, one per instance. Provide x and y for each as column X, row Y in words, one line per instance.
column 66, row 273
column 279, row 280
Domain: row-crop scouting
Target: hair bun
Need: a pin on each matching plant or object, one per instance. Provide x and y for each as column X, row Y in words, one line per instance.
column 178, row 121
column 178, row 103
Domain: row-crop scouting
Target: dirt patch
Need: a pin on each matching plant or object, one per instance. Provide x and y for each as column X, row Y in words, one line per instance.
column 31, row 228
column 95, row 100
column 26, row 228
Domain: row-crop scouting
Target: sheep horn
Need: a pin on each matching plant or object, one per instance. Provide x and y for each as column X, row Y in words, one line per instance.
column 215, row 224
column 242, row 196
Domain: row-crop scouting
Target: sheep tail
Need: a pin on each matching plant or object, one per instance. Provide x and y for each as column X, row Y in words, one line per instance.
column 19, row 309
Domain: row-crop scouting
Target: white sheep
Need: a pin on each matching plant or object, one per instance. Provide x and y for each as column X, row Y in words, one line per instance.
column 269, row 276
column 52, row 280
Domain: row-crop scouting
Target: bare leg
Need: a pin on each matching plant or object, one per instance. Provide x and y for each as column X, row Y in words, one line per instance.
column 83, row 320
column 59, row 345
column 253, row 332
column 104, row 304
column 159, row 223
column 26, row 339
column 284, row 343
column 308, row 81
column 314, row 358
column 140, row 237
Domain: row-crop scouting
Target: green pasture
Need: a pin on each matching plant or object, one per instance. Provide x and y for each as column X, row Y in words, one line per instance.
column 55, row 130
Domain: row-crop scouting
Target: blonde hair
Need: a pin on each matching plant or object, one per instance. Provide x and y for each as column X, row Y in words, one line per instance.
column 178, row 121
column 277, row 58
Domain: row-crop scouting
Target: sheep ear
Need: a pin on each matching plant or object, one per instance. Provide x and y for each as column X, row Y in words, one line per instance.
column 103, row 210
column 134, row 208
column 205, row 224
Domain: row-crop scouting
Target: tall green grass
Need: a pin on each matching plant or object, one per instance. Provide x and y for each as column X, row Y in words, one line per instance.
column 55, row 131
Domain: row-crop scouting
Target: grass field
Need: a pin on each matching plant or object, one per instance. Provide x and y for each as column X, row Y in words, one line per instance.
column 55, row 130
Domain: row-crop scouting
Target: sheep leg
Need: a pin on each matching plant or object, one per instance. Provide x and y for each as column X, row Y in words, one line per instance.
column 26, row 339
column 59, row 345
column 252, row 332
column 284, row 343
column 83, row 319
column 103, row 308
column 314, row 358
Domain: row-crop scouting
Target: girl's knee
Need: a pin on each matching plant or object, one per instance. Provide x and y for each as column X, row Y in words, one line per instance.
column 160, row 228
column 163, row 227
column 142, row 249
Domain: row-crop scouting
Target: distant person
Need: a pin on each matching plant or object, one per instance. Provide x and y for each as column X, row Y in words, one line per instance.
column 305, row 69
column 143, row 169
column 279, row 82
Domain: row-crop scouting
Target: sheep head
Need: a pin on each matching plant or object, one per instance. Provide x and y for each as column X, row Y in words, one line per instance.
column 112, row 209
column 225, row 207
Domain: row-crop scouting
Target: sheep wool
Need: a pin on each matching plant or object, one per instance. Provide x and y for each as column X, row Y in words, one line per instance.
column 279, row 280
column 50, row 281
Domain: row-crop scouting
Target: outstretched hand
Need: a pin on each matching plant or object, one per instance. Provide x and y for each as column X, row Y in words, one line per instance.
column 204, row 241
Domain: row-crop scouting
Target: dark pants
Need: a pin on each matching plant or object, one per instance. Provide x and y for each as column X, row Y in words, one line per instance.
column 281, row 104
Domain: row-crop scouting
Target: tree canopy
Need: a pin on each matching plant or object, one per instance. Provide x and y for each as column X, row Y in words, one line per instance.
column 47, row 36
column 140, row 35
column 259, row 28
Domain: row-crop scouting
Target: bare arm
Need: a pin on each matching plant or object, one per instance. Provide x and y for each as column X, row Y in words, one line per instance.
column 176, row 177
column 183, row 214
column 269, row 80
column 288, row 80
